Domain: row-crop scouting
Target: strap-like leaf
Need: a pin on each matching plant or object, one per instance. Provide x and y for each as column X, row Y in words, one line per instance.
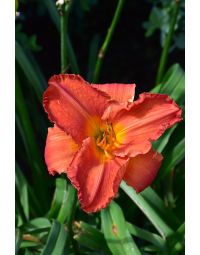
column 37, row 81
column 146, row 235
column 36, row 225
column 58, row 198
column 149, row 210
column 56, row 239
column 116, row 232
column 174, row 156
column 90, row 237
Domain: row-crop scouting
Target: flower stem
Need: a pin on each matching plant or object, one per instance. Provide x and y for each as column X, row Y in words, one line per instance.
column 107, row 40
column 64, row 64
column 64, row 14
column 168, row 40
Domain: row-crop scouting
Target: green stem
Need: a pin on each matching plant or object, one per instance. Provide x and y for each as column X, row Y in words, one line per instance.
column 51, row 8
column 72, row 197
column 64, row 14
column 168, row 40
column 107, row 41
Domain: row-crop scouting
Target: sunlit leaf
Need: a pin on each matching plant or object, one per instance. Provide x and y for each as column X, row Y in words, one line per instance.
column 116, row 232
column 56, row 239
column 149, row 210
column 146, row 235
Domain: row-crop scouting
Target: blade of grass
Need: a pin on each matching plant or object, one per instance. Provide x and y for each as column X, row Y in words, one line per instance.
column 21, row 217
column 64, row 205
column 60, row 244
column 146, row 235
column 67, row 206
column 22, row 188
column 90, row 237
column 34, row 157
column 18, row 239
column 37, row 83
column 56, row 240
column 157, row 203
column 115, row 231
column 157, row 220
column 161, row 143
column 34, row 204
column 174, row 156
column 52, row 238
column 59, row 194
column 36, row 225
column 28, row 252
column 173, row 84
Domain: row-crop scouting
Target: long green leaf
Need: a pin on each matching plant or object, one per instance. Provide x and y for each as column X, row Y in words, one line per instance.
column 157, row 203
column 60, row 244
column 152, row 214
column 31, row 74
column 116, row 233
column 146, row 235
column 33, row 153
column 58, row 198
column 161, row 143
column 67, row 206
column 90, row 237
column 173, row 84
column 56, row 240
column 36, row 225
column 34, row 205
column 22, row 188
column 18, row 240
column 173, row 157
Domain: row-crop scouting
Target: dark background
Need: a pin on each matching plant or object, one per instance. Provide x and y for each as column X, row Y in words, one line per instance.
column 131, row 56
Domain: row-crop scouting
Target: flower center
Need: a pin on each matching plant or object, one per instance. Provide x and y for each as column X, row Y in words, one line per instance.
column 106, row 140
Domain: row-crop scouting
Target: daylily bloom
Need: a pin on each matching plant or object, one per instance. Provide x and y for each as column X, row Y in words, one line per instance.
column 101, row 136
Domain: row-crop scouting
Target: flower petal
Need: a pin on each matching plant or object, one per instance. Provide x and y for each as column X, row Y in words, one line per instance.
column 142, row 170
column 73, row 104
column 120, row 92
column 59, row 151
column 96, row 179
column 143, row 121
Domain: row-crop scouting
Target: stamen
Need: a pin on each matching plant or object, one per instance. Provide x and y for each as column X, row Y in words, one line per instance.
column 106, row 140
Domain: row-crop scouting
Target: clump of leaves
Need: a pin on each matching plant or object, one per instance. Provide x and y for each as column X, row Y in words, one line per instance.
column 159, row 19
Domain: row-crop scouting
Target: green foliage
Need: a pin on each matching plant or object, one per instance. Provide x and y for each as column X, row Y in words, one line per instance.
column 159, row 19
column 56, row 240
column 48, row 216
column 90, row 237
column 116, row 232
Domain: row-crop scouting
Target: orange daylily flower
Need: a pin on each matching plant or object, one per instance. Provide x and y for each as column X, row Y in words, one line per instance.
column 101, row 136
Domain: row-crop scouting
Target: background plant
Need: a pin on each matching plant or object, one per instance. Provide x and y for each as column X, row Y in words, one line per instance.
column 76, row 38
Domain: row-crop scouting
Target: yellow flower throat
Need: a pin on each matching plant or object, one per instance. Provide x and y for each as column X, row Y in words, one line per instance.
column 106, row 140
